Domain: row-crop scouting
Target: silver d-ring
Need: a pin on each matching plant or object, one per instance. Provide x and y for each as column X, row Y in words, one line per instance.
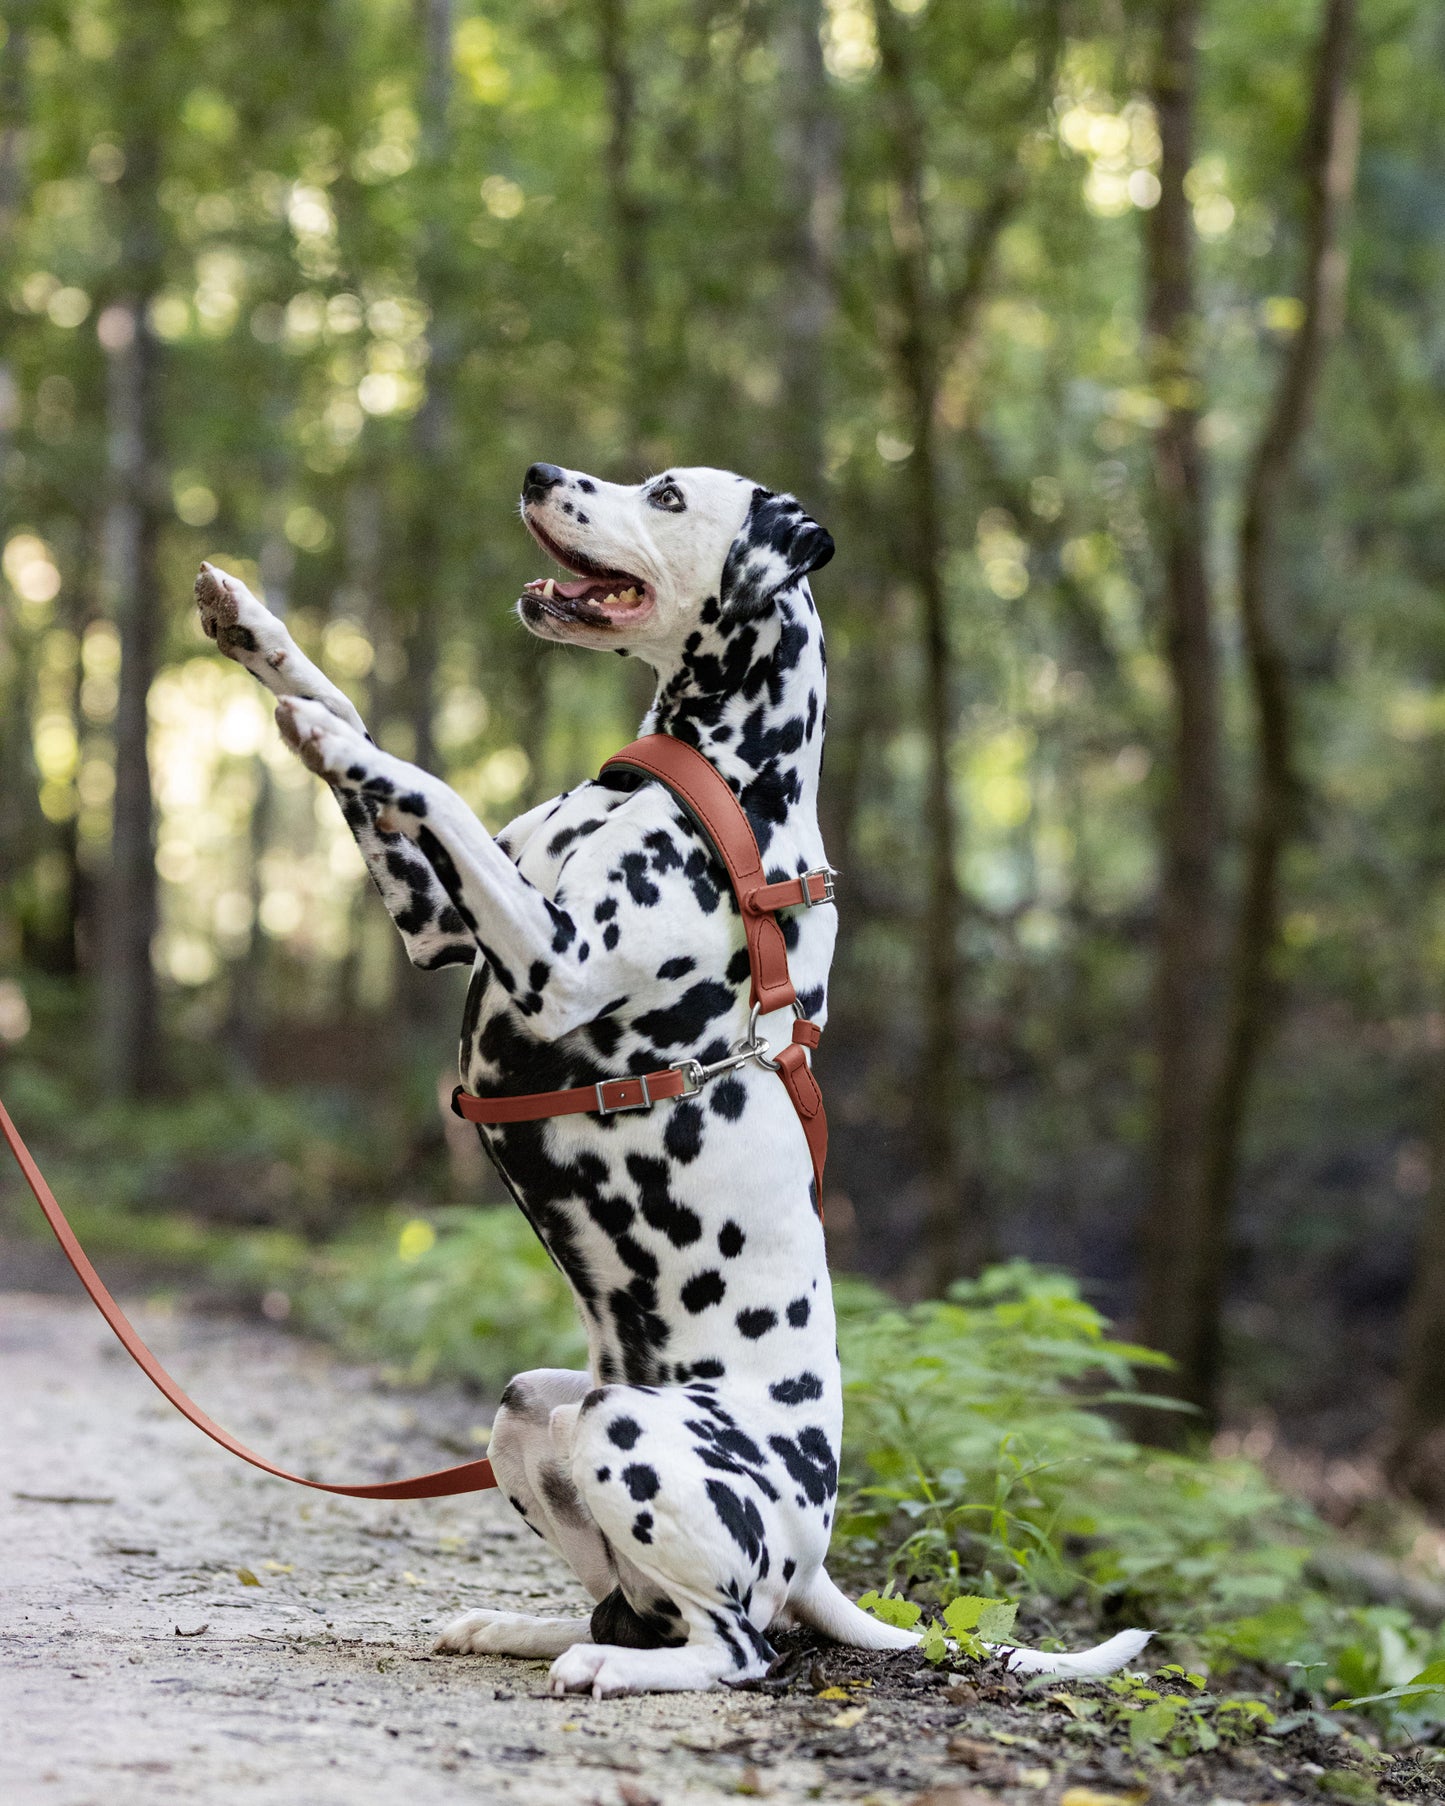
column 759, row 1049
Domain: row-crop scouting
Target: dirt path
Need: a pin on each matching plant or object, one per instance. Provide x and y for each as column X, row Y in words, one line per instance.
column 176, row 1626
column 122, row 1527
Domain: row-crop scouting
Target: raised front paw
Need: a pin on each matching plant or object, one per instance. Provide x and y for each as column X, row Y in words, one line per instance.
column 243, row 628
column 324, row 744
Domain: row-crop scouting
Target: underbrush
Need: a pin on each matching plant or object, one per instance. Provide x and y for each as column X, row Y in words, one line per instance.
column 983, row 1457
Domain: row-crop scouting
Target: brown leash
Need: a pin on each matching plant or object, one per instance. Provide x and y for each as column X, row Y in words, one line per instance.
column 695, row 781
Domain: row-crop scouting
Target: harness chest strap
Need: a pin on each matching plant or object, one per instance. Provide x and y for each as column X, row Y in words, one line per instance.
column 702, row 790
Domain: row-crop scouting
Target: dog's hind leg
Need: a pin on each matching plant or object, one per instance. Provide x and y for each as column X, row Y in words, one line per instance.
column 535, row 1480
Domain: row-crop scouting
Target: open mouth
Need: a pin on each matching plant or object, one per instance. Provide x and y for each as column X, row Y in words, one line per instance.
column 601, row 596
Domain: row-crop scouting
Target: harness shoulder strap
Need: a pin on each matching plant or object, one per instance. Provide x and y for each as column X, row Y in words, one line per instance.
column 703, row 791
column 471, row 1476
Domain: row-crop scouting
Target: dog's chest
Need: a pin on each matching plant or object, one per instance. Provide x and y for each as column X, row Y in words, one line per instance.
column 684, row 1229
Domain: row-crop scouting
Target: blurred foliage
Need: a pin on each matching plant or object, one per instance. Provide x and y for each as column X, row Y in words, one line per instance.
column 331, row 254
column 980, row 1458
column 333, row 250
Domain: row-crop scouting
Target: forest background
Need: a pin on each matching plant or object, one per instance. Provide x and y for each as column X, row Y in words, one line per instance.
column 1107, row 339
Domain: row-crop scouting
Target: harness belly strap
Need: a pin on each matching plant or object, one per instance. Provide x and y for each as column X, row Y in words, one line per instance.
column 705, row 794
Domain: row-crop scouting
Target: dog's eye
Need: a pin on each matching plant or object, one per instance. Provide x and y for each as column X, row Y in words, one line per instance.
column 669, row 496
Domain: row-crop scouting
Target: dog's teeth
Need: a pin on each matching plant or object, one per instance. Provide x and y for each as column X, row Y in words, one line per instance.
column 629, row 596
column 549, row 588
column 607, row 599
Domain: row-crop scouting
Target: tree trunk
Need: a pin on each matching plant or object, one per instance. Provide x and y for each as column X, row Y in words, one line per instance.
column 629, row 225
column 808, row 154
column 130, row 1054
column 1416, row 1458
column 1329, row 158
column 953, row 1237
column 1179, row 1257
column 933, row 320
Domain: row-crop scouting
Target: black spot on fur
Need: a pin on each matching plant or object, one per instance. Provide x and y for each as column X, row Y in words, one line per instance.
column 703, row 1290
column 683, row 1136
column 798, row 1312
column 800, row 1390
column 728, row 1098
column 640, row 1480
column 623, row 1432
column 730, row 1239
column 615, row 1622
column 756, row 1322
column 739, row 1516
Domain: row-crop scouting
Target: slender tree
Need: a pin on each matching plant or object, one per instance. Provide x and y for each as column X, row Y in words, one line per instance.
column 933, row 318
column 1329, row 157
column 628, row 219
column 1205, row 1074
column 1178, row 1254
column 808, row 158
column 130, row 1047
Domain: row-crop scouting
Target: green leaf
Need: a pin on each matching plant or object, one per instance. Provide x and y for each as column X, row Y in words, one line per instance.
column 965, row 1612
column 996, row 1620
column 903, row 1614
column 1153, row 1724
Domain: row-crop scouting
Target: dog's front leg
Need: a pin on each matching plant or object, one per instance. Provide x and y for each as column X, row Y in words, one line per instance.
column 246, row 631
column 531, row 945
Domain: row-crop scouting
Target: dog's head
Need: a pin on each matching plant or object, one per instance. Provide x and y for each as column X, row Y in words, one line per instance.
column 653, row 560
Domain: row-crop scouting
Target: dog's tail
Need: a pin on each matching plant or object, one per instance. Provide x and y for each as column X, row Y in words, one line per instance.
column 823, row 1608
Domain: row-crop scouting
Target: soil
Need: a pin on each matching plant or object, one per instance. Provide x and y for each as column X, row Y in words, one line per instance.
column 176, row 1626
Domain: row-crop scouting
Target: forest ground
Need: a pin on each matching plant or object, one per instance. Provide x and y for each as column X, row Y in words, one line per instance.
column 178, row 1626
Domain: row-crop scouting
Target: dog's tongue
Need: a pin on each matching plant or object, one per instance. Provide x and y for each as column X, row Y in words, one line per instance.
column 583, row 586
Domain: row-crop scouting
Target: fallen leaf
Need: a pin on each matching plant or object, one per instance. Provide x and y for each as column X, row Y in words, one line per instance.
column 1034, row 1777
column 973, row 1751
column 279, row 1567
column 632, row 1795
column 844, row 1721
column 199, row 1631
column 247, row 1578
column 833, row 1693
column 961, row 1694
column 1091, row 1796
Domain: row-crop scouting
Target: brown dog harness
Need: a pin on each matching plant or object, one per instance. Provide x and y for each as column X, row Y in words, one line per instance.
column 711, row 804
column 704, row 793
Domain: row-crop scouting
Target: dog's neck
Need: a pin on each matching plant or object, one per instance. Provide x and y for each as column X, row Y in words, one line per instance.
column 751, row 696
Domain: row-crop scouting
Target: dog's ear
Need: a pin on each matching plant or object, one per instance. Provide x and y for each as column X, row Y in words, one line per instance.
column 779, row 543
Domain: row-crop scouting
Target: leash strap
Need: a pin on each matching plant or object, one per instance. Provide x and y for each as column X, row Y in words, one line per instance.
column 471, row 1476
column 702, row 790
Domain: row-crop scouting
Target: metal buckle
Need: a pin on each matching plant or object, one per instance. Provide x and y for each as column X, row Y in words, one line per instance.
column 606, row 1109
column 827, row 874
column 758, row 1049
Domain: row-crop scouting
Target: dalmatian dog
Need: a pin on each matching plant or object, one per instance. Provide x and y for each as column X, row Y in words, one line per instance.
column 689, row 1476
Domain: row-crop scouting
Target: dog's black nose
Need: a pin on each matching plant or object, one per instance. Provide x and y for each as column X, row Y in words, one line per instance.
column 539, row 479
